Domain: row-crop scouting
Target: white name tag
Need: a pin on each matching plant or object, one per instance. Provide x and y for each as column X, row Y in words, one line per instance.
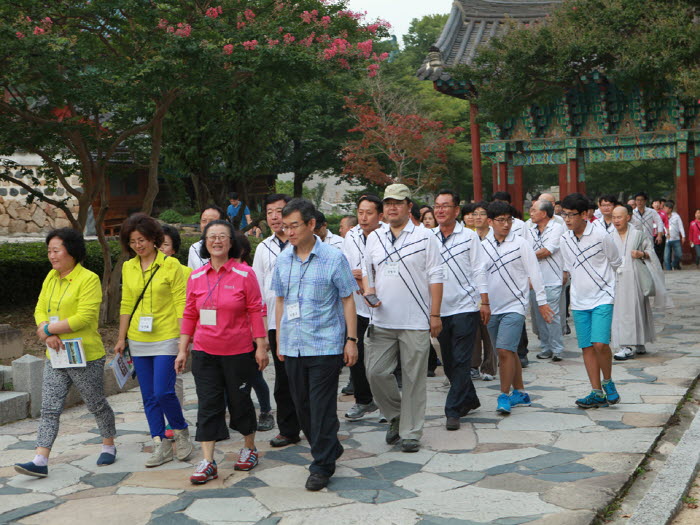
column 391, row 269
column 146, row 323
column 293, row 311
column 207, row 317
column 53, row 319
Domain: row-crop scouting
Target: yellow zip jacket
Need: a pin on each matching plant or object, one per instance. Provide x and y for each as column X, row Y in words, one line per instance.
column 77, row 298
column 164, row 299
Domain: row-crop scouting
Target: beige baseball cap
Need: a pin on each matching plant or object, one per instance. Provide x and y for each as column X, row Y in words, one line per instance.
column 397, row 192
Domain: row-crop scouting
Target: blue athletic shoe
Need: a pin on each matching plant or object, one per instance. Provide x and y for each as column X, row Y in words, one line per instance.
column 611, row 393
column 503, row 406
column 520, row 399
column 106, row 458
column 30, row 469
column 592, row 400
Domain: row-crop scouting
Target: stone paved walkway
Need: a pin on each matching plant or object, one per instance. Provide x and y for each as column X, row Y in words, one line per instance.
column 545, row 464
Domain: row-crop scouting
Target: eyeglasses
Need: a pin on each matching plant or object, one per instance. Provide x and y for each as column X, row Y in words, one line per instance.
column 292, row 227
column 443, row 207
column 479, row 214
column 503, row 220
column 139, row 242
column 567, row 215
column 220, row 237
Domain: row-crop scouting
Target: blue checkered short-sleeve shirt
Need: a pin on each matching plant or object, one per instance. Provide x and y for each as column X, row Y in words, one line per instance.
column 318, row 285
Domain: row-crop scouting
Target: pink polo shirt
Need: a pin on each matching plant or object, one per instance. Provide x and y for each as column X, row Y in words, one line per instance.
column 234, row 293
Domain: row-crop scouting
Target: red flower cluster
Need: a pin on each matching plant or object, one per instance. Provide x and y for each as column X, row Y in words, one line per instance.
column 250, row 45
column 309, row 17
column 228, row 49
column 214, row 12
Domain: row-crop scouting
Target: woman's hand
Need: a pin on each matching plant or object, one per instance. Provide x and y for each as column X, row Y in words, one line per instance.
column 261, row 356
column 54, row 342
column 120, row 346
column 181, row 361
column 40, row 331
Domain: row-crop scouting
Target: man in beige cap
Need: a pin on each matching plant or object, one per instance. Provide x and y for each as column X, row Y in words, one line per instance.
column 402, row 278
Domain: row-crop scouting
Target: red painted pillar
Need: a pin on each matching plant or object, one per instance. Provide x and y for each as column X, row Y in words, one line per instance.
column 476, row 152
column 563, row 189
column 572, row 178
column 494, row 176
column 502, row 176
column 517, row 191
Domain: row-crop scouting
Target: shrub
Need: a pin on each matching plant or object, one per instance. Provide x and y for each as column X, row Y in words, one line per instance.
column 171, row 217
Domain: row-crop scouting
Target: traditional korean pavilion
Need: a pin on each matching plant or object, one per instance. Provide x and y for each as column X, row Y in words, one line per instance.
column 596, row 123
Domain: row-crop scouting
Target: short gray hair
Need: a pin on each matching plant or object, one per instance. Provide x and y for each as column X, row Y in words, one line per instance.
column 546, row 207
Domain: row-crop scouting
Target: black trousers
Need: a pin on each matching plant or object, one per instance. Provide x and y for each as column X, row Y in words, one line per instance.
column 358, row 372
column 457, row 345
column 660, row 248
column 522, row 345
column 220, row 380
column 287, row 421
column 314, row 387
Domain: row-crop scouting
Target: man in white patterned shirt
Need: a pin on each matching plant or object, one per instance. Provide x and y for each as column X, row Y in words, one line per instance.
column 649, row 219
column 264, row 264
column 465, row 303
column 402, row 279
column 591, row 258
column 673, row 251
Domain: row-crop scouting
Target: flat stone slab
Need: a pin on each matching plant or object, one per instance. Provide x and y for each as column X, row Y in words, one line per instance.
column 457, row 462
column 227, row 510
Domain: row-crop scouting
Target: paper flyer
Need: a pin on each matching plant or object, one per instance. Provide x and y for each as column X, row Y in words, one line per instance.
column 73, row 356
column 123, row 367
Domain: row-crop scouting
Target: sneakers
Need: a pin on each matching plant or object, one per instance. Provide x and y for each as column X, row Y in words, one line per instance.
column 545, row 354
column 452, row 423
column 567, row 329
column 556, row 358
column 349, row 389
column 162, row 452
column 392, row 435
column 265, row 422
column 611, row 393
column 30, row 469
column 592, row 400
column 486, row 377
column 106, row 458
column 624, row 354
column 503, row 404
column 382, row 419
column 247, row 459
column 204, row 472
column 640, row 350
column 183, row 445
column 282, row 441
column 520, row 399
column 410, row 445
column 358, row 411
column 316, row 482
column 475, row 374
column 524, row 362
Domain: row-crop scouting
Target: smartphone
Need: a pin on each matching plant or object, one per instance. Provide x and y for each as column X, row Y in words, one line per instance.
column 372, row 299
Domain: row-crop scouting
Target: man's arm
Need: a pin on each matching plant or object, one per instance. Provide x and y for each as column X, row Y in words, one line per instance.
column 435, row 303
column 350, row 352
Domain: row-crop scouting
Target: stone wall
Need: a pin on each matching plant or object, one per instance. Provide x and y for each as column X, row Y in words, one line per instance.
column 19, row 218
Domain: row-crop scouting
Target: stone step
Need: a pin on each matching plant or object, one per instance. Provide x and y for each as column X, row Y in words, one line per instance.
column 13, row 406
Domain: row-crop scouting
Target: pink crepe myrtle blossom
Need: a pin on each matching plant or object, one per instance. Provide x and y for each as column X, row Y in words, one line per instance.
column 240, row 25
column 272, row 42
column 308, row 17
column 325, row 21
column 183, row 29
column 365, row 48
column 288, row 38
column 249, row 14
column 228, row 49
column 162, row 23
column 250, row 45
column 372, row 70
column 308, row 40
column 214, row 12
column 19, row 35
column 38, row 30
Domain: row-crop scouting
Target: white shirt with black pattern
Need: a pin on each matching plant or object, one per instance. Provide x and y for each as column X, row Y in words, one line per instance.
column 511, row 266
column 650, row 221
column 402, row 270
column 591, row 261
column 334, row 240
column 264, row 264
column 552, row 267
column 354, row 245
column 465, row 270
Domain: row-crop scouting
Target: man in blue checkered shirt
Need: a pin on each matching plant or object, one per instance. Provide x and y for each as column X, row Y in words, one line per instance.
column 316, row 330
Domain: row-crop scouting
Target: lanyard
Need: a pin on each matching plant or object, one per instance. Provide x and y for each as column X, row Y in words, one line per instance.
column 289, row 279
column 216, row 285
column 58, row 307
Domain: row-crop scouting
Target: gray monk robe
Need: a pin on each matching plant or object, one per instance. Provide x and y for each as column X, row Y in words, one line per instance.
column 633, row 323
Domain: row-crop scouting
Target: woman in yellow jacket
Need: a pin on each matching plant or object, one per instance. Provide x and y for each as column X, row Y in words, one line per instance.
column 68, row 308
column 153, row 331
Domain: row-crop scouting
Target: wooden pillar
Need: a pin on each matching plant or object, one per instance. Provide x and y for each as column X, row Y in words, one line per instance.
column 516, row 192
column 502, row 176
column 476, row 152
column 494, row 176
column 572, row 178
column 563, row 189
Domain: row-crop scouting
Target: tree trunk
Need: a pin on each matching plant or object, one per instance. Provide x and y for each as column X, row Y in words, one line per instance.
column 202, row 192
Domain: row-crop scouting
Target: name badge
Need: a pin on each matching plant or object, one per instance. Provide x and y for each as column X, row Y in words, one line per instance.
column 146, row 323
column 391, row 269
column 53, row 319
column 293, row 311
column 207, row 317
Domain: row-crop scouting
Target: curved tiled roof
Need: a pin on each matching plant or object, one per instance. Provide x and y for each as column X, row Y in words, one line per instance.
column 473, row 23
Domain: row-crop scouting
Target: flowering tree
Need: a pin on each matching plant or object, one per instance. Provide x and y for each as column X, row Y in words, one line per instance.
column 395, row 143
column 85, row 82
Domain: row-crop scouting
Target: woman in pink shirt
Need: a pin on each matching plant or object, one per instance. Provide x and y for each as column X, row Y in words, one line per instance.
column 694, row 237
column 223, row 312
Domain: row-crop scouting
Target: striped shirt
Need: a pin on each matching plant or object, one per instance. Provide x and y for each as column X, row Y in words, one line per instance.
column 317, row 286
column 552, row 267
column 264, row 265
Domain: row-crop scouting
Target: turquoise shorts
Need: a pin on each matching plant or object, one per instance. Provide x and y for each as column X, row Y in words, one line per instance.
column 593, row 326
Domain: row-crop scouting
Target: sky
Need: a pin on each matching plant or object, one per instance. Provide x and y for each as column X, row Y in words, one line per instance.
column 399, row 13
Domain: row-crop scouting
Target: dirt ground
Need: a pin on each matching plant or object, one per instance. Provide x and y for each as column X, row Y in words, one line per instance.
column 23, row 318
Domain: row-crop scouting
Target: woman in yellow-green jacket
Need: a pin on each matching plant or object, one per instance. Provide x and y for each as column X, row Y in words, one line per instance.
column 153, row 290
column 68, row 309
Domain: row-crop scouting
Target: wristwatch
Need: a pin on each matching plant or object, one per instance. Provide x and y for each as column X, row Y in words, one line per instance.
column 353, row 339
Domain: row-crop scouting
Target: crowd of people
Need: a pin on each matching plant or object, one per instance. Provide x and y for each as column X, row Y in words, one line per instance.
column 371, row 298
